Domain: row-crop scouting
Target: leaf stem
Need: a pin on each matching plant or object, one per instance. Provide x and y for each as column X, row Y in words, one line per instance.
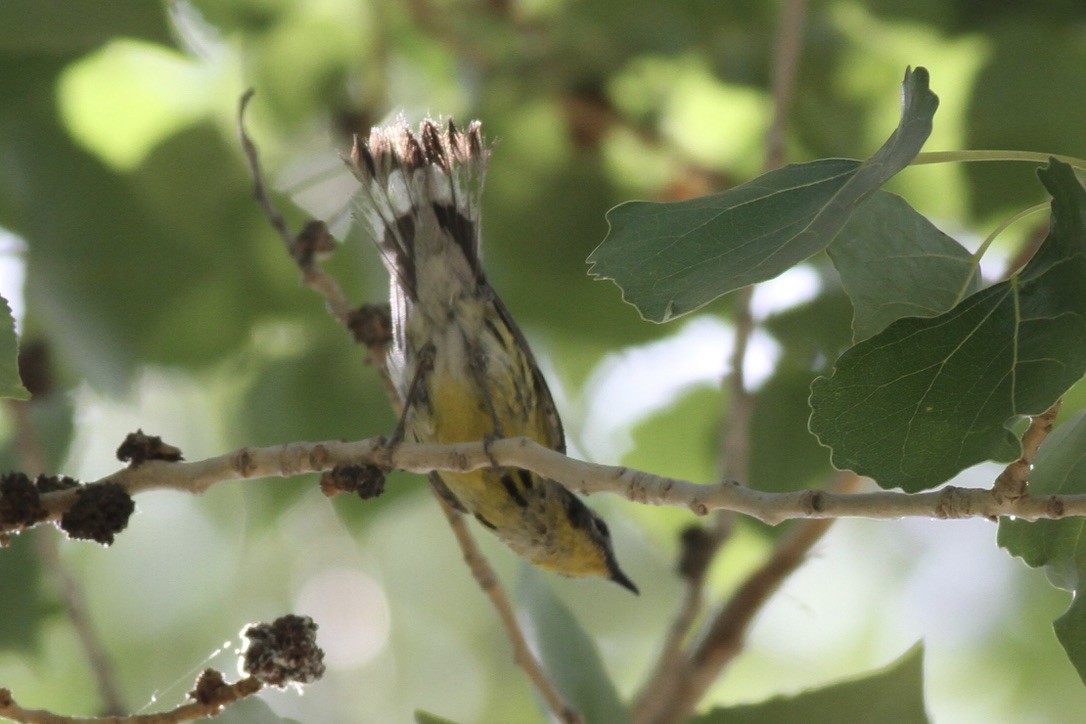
column 983, row 248
column 929, row 157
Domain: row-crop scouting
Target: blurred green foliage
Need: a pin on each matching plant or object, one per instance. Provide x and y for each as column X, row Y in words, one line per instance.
column 891, row 695
column 167, row 303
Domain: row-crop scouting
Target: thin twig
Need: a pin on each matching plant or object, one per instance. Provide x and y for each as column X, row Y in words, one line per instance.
column 735, row 465
column 259, row 191
column 312, row 275
column 725, row 638
column 338, row 306
column 484, row 575
column 735, row 434
column 735, row 444
column 225, row 695
column 673, row 653
column 786, row 64
column 72, row 597
column 1012, row 482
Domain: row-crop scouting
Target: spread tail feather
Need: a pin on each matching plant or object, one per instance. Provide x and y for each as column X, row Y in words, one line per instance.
column 439, row 171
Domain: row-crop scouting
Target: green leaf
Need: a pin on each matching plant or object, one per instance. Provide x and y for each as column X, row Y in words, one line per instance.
column 777, row 426
column 894, row 263
column 567, row 654
column 672, row 258
column 683, row 437
column 894, row 694
column 23, row 605
column 72, row 26
column 1058, row 545
column 927, row 397
column 995, row 115
column 425, row 717
column 50, row 417
column 811, row 336
column 10, row 383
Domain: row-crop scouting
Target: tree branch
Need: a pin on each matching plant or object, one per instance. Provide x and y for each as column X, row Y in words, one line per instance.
column 227, row 694
column 587, row 478
column 278, row 654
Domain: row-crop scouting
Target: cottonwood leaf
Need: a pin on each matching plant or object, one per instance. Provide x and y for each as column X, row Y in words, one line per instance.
column 71, row 26
column 567, row 653
column 11, row 385
column 895, row 263
column 425, row 717
column 894, row 694
column 671, row 258
column 811, row 336
column 24, row 607
column 1058, row 545
column 927, row 397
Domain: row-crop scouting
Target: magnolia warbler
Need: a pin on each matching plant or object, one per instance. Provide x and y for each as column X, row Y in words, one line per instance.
column 461, row 366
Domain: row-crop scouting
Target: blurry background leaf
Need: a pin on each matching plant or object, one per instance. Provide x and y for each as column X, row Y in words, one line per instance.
column 1058, row 469
column 24, row 607
column 252, row 710
column 568, row 655
column 1019, row 46
column 895, row 694
column 422, row 717
column 10, row 383
column 69, row 26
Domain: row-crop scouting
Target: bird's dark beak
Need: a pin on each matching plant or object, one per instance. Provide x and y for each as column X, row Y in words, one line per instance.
column 620, row 578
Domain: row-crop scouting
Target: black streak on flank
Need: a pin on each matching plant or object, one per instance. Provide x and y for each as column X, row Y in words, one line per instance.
column 513, row 490
column 576, row 511
column 485, row 522
column 525, row 479
column 488, row 322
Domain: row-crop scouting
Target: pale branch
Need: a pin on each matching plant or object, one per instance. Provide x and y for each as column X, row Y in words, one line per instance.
column 578, row 475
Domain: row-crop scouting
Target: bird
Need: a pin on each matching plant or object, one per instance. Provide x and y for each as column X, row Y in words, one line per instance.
column 461, row 366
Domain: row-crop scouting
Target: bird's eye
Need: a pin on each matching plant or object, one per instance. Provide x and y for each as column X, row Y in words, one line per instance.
column 601, row 528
